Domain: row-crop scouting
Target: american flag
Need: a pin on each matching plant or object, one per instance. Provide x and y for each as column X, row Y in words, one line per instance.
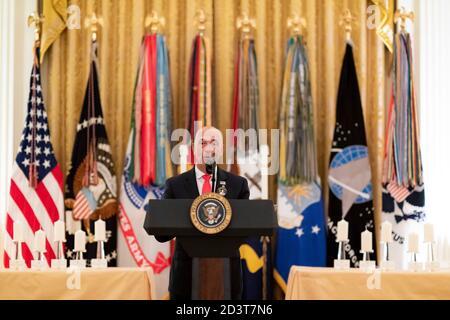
column 40, row 204
column 398, row 192
column 84, row 205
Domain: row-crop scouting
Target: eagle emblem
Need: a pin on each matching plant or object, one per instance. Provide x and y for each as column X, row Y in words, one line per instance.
column 211, row 213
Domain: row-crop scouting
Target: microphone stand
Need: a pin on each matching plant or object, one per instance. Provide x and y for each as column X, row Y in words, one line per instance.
column 214, row 177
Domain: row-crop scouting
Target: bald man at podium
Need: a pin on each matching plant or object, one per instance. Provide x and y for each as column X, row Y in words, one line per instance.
column 203, row 178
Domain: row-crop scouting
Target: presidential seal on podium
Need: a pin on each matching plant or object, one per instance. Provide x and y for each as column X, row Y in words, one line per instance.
column 211, row 213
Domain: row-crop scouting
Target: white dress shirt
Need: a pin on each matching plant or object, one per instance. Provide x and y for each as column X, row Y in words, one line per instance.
column 199, row 178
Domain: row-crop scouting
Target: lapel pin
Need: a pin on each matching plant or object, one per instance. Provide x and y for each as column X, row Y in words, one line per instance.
column 222, row 189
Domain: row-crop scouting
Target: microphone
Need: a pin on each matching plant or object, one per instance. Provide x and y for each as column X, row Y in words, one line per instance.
column 211, row 169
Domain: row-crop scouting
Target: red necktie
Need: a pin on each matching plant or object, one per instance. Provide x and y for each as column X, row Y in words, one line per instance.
column 206, row 184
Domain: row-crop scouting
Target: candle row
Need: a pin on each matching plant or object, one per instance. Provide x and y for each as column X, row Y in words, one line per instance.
column 386, row 236
column 59, row 234
column 413, row 237
column 58, row 230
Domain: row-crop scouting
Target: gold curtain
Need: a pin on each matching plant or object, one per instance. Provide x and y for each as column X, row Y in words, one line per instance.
column 66, row 66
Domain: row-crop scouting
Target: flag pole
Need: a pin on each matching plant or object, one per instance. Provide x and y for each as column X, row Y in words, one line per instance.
column 245, row 25
column 36, row 20
column 264, row 161
column 346, row 21
column 154, row 22
column 93, row 22
column 200, row 22
column 402, row 15
column 296, row 25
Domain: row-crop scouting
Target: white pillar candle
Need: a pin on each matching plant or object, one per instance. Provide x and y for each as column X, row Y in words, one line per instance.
column 18, row 231
column 80, row 241
column 100, row 230
column 413, row 242
column 366, row 241
column 39, row 241
column 428, row 232
column 386, row 232
column 59, row 231
column 342, row 230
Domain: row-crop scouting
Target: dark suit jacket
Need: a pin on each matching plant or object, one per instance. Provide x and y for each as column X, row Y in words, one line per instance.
column 184, row 186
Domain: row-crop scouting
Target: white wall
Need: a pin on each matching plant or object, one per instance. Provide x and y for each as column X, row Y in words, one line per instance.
column 414, row 29
column 431, row 46
column 434, row 100
column 16, row 42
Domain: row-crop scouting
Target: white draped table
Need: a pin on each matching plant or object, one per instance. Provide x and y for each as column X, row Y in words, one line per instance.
column 306, row 283
column 94, row 284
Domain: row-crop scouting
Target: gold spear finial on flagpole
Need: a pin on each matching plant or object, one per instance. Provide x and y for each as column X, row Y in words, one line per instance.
column 154, row 22
column 93, row 23
column 36, row 20
column 200, row 21
column 346, row 21
column 245, row 24
column 402, row 15
column 296, row 25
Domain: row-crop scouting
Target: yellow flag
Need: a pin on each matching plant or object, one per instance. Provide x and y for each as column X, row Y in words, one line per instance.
column 254, row 262
column 385, row 30
column 55, row 17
